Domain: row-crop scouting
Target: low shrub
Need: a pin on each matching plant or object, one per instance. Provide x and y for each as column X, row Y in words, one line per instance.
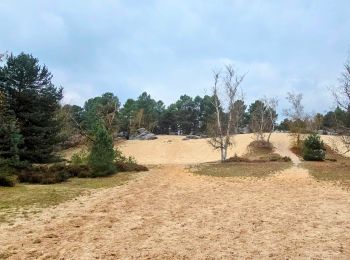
column 43, row 174
column 80, row 158
column 314, row 148
column 273, row 157
column 236, row 158
column 80, row 171
column 130, row 167
column 128, row 164
column 7, row 178
column 261, row 144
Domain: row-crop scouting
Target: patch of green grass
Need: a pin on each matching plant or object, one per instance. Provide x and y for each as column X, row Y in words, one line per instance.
column 27, row 198
column 241, row 169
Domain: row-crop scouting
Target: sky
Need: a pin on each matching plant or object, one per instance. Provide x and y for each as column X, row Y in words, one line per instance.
column 170, row 48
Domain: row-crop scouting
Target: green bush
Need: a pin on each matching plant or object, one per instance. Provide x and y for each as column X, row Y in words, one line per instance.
column 127, row 164
column 130, row 167
column 7, row 178
column 313, row 148
column 80, row 158
column 8, row 168
column 102, row 155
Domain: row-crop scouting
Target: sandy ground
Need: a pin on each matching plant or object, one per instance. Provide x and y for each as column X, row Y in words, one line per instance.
column 169, row 213
column 336, row 144
column 174, row 150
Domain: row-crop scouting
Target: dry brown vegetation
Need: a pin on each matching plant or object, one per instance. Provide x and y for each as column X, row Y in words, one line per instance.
column 241, row 169
column 259, row 161
column 336, row 168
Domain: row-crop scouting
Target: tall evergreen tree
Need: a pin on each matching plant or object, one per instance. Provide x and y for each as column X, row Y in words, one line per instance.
column 10, row 138
column 33, row 100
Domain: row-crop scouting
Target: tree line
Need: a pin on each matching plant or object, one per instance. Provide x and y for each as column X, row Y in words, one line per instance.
column 34, row 124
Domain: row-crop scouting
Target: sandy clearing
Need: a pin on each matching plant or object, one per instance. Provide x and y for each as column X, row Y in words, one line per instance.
column 174, row 150
column 169, row 213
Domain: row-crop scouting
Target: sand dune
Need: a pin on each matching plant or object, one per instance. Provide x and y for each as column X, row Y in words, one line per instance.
column 174, row 150
column 335, row 143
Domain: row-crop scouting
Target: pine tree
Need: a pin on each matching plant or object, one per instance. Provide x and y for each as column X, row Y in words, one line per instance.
column 33, row 100
column 10, row 137
column 314, row 148
column 102, row 155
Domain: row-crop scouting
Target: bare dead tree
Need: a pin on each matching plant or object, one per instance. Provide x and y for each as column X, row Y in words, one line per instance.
column 342, row 97
column 296, row 115
column 263, row 119
column 271, row 105
column 221, row 136
column 258, row 120
column 109, row 114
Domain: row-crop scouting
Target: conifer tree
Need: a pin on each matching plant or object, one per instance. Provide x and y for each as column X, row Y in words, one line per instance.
column 33, row 101
column 102, row 155
column 10, row 138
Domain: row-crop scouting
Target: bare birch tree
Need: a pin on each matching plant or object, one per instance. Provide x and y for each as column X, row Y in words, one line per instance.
column 225, row 121
column 342, row 97
column 263, row 118
column 297, row 116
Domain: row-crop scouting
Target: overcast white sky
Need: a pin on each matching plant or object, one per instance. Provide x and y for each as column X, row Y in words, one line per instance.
column 169, row 48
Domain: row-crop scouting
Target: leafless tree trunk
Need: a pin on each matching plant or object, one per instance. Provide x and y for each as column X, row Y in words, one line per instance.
column 272, row 116
column 296, row 115
column 110, row 117
column 263, row 119
column 257, row 121
column 342, row 97
column 221, row 137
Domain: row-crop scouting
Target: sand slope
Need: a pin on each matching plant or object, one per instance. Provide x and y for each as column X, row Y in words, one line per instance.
column 335, row 143
column 174, row 150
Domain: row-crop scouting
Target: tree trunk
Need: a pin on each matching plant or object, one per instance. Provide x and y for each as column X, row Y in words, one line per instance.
column 223, row 154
